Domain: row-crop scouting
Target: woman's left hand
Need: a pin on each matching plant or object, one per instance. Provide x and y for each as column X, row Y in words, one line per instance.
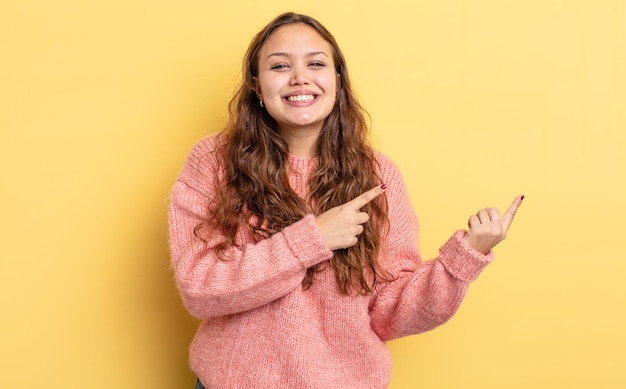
column 487, row 228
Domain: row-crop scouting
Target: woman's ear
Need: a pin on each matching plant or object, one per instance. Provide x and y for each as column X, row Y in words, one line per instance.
column 257, row 90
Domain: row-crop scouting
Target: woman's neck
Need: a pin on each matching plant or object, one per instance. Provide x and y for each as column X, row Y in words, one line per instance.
column 301, row 142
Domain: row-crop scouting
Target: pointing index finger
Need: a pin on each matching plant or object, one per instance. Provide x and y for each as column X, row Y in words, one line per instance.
column 361, row 200
column 508, row 216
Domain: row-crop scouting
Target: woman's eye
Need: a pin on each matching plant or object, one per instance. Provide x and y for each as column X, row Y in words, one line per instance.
column 279, row 66
column 317, row 64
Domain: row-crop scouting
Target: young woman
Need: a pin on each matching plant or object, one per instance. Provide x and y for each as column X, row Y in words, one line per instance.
column 295, row 242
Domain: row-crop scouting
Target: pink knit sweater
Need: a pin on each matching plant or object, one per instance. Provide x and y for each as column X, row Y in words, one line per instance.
column 261, row 329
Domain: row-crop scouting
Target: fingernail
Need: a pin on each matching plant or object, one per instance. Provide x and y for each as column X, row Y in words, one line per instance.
column 522, row 197
column 383, row 187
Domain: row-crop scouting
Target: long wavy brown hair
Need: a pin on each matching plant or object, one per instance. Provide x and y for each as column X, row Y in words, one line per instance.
column 255, row 192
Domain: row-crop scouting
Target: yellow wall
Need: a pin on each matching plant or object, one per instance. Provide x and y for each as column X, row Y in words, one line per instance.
column 477, row 101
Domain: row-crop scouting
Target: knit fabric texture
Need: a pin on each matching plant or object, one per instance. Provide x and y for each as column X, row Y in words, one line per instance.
column 260, row 327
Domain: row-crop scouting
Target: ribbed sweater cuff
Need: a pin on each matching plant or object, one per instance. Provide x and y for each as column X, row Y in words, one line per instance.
column 306, row 243
column 461, row 260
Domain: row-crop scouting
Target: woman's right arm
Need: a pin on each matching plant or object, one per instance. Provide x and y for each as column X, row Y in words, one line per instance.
column 254, row 274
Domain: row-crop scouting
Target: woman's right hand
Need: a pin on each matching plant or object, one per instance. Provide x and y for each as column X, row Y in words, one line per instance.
column 340, row 226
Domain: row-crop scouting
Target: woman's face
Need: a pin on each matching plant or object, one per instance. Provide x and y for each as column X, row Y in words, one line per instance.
column 297, row 81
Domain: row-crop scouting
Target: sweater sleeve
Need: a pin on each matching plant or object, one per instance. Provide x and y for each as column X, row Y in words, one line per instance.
column 252, row 275
column 420, row 295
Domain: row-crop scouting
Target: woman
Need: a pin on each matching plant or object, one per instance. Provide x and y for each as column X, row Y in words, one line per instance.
column 295, row 242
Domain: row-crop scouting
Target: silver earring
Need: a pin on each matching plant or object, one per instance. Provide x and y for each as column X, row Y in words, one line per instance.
column 261, row 103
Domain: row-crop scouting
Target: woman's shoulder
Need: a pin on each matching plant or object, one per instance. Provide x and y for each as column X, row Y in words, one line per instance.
column 205, row 152
column 202, row 161
column 382, row 158
column 207, row 145
column 387, row 167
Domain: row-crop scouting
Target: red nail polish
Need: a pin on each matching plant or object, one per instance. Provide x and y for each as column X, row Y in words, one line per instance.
column 383, row 187
column 522, row 197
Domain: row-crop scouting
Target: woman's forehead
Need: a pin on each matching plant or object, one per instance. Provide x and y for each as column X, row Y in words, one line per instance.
column 295, row 39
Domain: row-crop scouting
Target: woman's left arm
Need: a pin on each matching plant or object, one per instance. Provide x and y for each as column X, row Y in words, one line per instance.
column 423, row 295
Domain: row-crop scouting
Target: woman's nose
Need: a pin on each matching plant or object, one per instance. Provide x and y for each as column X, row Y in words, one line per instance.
column 299, row 76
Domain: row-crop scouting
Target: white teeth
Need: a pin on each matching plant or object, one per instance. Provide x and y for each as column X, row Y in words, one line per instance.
column 300, row 98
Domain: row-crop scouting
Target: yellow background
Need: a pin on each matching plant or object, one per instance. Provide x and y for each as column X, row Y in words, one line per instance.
column 477, row 101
